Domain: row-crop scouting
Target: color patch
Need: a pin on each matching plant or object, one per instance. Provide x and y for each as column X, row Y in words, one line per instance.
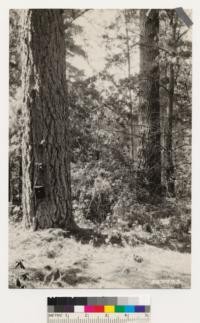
column 119, row 309
column 110, row 301
column 109, row 309
column 122, row 301
column 133, row 301
column 79, row 309
column 92, row 301
column 67, row 308
column 89, row 309
column 98, row 309
column 139, row 309
column 130, row 309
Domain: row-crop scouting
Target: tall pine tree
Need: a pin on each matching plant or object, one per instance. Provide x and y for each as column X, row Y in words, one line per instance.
column 149, row 152
column 46, row 195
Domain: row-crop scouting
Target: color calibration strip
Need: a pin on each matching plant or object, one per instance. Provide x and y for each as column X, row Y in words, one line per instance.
column 98, row 309
column 98, row 305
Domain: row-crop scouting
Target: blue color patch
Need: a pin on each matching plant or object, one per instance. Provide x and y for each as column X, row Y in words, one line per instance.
column 129, row 309
column 139, row 309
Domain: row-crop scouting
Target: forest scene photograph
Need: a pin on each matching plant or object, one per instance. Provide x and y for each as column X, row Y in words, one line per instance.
column 100, row 129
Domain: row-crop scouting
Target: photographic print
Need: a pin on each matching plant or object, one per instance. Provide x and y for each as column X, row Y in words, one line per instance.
column 99, row 148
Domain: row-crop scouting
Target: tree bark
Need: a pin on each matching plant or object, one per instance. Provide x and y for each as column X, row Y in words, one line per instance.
column 46, row 190
column 169, row 142
column 132, row 156
column 170, row 173
column 149, row 152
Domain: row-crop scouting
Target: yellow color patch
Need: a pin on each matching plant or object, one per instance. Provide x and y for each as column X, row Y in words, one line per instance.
column 109, row 309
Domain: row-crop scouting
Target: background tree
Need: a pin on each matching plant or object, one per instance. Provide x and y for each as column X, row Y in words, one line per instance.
column 149, row 156
column 175, row 91
column 15, row 160
column 120, row 98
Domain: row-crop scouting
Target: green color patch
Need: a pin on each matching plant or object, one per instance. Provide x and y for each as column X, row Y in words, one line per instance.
column 119, row 309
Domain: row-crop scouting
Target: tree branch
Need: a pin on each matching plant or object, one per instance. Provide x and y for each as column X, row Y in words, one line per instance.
column 79, row 15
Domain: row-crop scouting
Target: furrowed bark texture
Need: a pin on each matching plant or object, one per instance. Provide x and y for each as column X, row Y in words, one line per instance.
column 170, row 176
column 45, row 145
column 170, row 171
column 149, row 152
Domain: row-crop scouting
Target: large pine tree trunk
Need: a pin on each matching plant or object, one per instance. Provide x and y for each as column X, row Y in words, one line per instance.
column 149, row 152
column 46, row 195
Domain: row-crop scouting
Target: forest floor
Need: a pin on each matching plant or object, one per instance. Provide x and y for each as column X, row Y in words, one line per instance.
column 50, row 259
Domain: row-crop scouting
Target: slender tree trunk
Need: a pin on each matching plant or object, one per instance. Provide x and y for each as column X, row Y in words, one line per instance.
column 20, row 179
column 10, row 182
column 46, row 191
column 169, row 146
column 131, row 120
column 129, row 92
column 149, row 152
column 170, row 172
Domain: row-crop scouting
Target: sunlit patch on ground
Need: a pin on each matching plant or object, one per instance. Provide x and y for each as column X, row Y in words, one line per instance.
column 46, row 259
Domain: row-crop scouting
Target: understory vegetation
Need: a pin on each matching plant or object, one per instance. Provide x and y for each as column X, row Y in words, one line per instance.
column 53, row 259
